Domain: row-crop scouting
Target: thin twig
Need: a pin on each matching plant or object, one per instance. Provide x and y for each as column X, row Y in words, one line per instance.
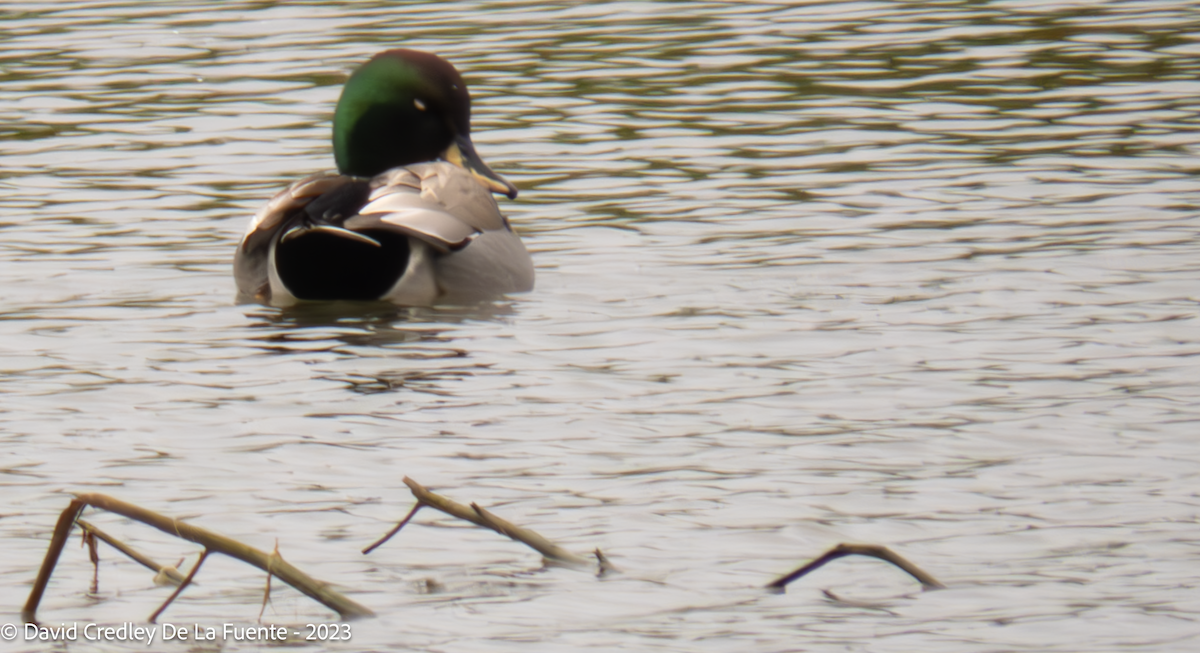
column 267, row 591
column 89, row 539
column 171, row 573
column 178, row 590
column 606, row 566
column 871, row 550
column 407, row 518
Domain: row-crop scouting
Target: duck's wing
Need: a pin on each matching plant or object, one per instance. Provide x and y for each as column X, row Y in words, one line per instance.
column 253, row 253
column 438, row 203
column 444, row 207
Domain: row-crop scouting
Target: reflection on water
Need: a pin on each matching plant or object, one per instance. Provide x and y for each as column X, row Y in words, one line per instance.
column 920, row 274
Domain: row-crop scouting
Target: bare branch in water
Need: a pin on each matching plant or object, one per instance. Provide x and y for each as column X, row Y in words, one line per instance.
column 480, row 516
column 211, row 541
column 606, row 566
column 407, row 518
column 871, row 550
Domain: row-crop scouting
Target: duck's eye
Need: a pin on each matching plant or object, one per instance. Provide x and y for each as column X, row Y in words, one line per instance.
column 419, row 104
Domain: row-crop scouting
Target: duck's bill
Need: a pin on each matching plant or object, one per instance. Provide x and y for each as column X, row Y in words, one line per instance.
column 462, row 154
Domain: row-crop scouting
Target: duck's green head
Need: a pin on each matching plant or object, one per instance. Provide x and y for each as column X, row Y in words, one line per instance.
column 404, row 107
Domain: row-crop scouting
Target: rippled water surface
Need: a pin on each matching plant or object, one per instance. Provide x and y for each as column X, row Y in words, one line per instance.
column 922, row 274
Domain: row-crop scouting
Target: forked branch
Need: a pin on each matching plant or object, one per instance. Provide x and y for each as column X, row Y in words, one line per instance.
column 480, row 516
column 212, row 542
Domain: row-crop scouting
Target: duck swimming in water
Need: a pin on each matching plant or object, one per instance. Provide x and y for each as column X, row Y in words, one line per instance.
column 409, row 216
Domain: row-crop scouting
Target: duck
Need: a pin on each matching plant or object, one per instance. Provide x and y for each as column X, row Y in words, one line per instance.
column 409, row 217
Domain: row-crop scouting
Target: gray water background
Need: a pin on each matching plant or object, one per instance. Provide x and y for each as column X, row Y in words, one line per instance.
column 922, row 274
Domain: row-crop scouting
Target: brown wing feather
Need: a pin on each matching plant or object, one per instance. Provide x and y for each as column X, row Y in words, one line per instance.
column 438, row 203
